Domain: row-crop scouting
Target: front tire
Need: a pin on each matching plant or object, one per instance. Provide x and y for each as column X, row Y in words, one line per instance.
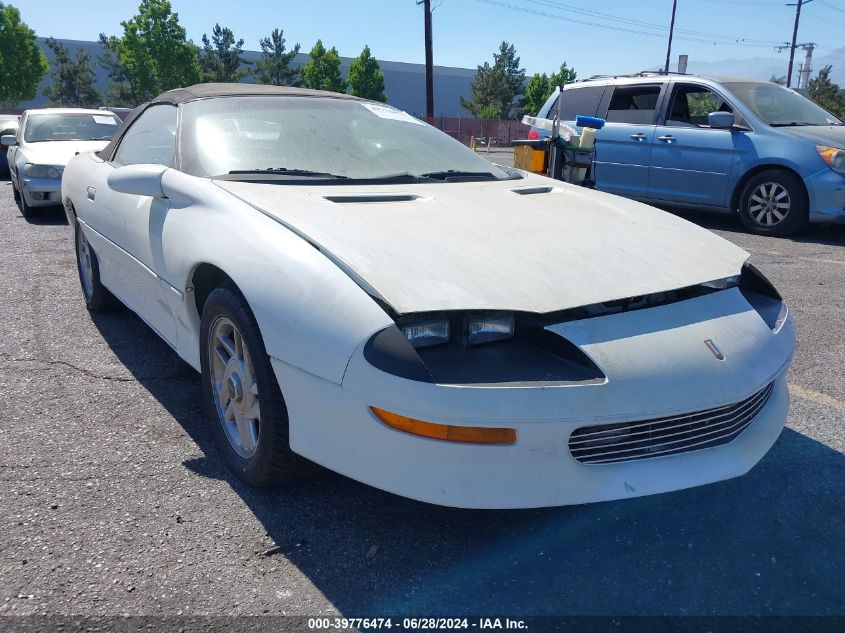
column 774, row 202
column 96, row 295
column 242, row 396
column 25, row 209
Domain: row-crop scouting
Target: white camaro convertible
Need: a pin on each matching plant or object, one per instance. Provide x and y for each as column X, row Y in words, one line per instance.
column 359, row 289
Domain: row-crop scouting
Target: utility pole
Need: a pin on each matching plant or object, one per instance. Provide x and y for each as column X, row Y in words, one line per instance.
column 429, row 61
column 797, row 6
column 806, row 68
column 671, row 31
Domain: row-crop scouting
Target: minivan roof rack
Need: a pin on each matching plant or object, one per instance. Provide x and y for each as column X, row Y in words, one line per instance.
column 642, row 73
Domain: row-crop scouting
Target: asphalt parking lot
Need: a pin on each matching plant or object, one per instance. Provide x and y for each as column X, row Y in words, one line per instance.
column 115, row 501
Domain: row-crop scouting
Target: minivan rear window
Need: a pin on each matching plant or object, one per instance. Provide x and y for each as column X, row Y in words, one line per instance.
column 633, row 104
column 575, row 101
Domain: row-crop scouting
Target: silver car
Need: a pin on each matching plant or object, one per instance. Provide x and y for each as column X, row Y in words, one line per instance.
column 45, row 141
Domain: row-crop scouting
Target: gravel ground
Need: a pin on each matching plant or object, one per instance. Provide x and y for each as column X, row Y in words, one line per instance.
column 115, row 501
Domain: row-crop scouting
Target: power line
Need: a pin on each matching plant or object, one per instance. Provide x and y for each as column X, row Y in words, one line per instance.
column 750, row 2
column 650, row 25
column 826, row 20
column 573, row 20
column 831, row 6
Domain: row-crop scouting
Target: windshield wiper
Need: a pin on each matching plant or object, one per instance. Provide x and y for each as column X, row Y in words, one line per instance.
column 793, row 124
column 455, row 174
column 286, row 171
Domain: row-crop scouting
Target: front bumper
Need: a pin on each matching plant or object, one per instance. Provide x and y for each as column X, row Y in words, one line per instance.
column 826, row 190
column 656, row 364
column 41, row 192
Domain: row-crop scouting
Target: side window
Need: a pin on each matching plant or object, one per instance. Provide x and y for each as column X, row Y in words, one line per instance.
column 580, row 101
column 633, row 104
column 151, row 139
column 691, row 104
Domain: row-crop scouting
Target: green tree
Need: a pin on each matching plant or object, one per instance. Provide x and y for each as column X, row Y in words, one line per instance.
column 826, row 93
column 366, row 78
column 22, row 64
column 274, row 67
column 152, row 55
column 537, row 91
column 72, row 79
column 119, row 92
column 323, row 71
column 221, row 56
column 565, row 75
column 540, row 87
column 496, row 86
column 781, row 81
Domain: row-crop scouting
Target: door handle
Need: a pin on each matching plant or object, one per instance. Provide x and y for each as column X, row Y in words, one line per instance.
column 91, row 193
column 639, row 136
column 668, row 138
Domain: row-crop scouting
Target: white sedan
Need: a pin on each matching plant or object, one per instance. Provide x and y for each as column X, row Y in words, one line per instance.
column 45, row 141
column 361, row 291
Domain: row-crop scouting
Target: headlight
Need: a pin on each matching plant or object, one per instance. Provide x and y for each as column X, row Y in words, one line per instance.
column 468, row 328
column 486, row 329
column 426, row 333
column 41, row 171
column 833, row 156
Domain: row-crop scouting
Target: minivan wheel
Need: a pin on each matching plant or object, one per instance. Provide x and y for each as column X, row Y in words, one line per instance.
column 242, row 396
column 774, row 202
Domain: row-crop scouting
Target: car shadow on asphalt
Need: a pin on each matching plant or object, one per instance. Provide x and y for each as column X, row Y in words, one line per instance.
column 47, row 216
column 772, row 541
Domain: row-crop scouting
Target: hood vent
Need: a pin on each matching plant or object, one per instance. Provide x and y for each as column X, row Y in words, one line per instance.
column 371, row 197
column 530, row 191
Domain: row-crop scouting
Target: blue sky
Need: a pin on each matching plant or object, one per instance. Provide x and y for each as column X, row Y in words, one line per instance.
column 466, row 32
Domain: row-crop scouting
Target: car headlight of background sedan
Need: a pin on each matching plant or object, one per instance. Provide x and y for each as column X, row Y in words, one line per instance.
column 41, row 171
column 833, row 156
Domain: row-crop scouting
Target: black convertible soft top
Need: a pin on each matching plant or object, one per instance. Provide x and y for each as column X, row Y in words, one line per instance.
column 205, row 91
column 215, row 90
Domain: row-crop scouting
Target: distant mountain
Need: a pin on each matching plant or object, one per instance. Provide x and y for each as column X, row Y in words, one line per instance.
column 765, row 67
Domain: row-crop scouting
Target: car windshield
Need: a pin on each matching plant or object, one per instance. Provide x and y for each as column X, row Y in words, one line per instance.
column 320, row 137
column 780, row 106
column 70, row 127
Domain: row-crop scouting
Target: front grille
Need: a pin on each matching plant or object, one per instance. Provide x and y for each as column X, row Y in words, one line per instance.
column 629, row 441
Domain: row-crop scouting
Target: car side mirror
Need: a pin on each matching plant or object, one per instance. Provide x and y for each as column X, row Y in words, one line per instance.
column 8, row 140
column 138, row 180
column 720, row 120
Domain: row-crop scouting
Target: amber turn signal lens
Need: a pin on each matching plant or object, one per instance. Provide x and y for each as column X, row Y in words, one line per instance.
column 446, row 432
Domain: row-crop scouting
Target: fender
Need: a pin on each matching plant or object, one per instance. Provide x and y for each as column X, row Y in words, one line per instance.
column 295, row 292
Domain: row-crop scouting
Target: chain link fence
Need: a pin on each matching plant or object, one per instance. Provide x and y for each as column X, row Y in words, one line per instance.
column 500, row 132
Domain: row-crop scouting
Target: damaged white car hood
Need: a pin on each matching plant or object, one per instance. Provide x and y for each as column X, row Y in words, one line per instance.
column 485, row 245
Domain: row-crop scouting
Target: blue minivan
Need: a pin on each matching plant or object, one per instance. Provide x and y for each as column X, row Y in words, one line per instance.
column 739, row 146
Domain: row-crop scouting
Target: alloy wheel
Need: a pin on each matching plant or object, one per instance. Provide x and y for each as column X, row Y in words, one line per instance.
column 234, row 387
column 769, row 204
